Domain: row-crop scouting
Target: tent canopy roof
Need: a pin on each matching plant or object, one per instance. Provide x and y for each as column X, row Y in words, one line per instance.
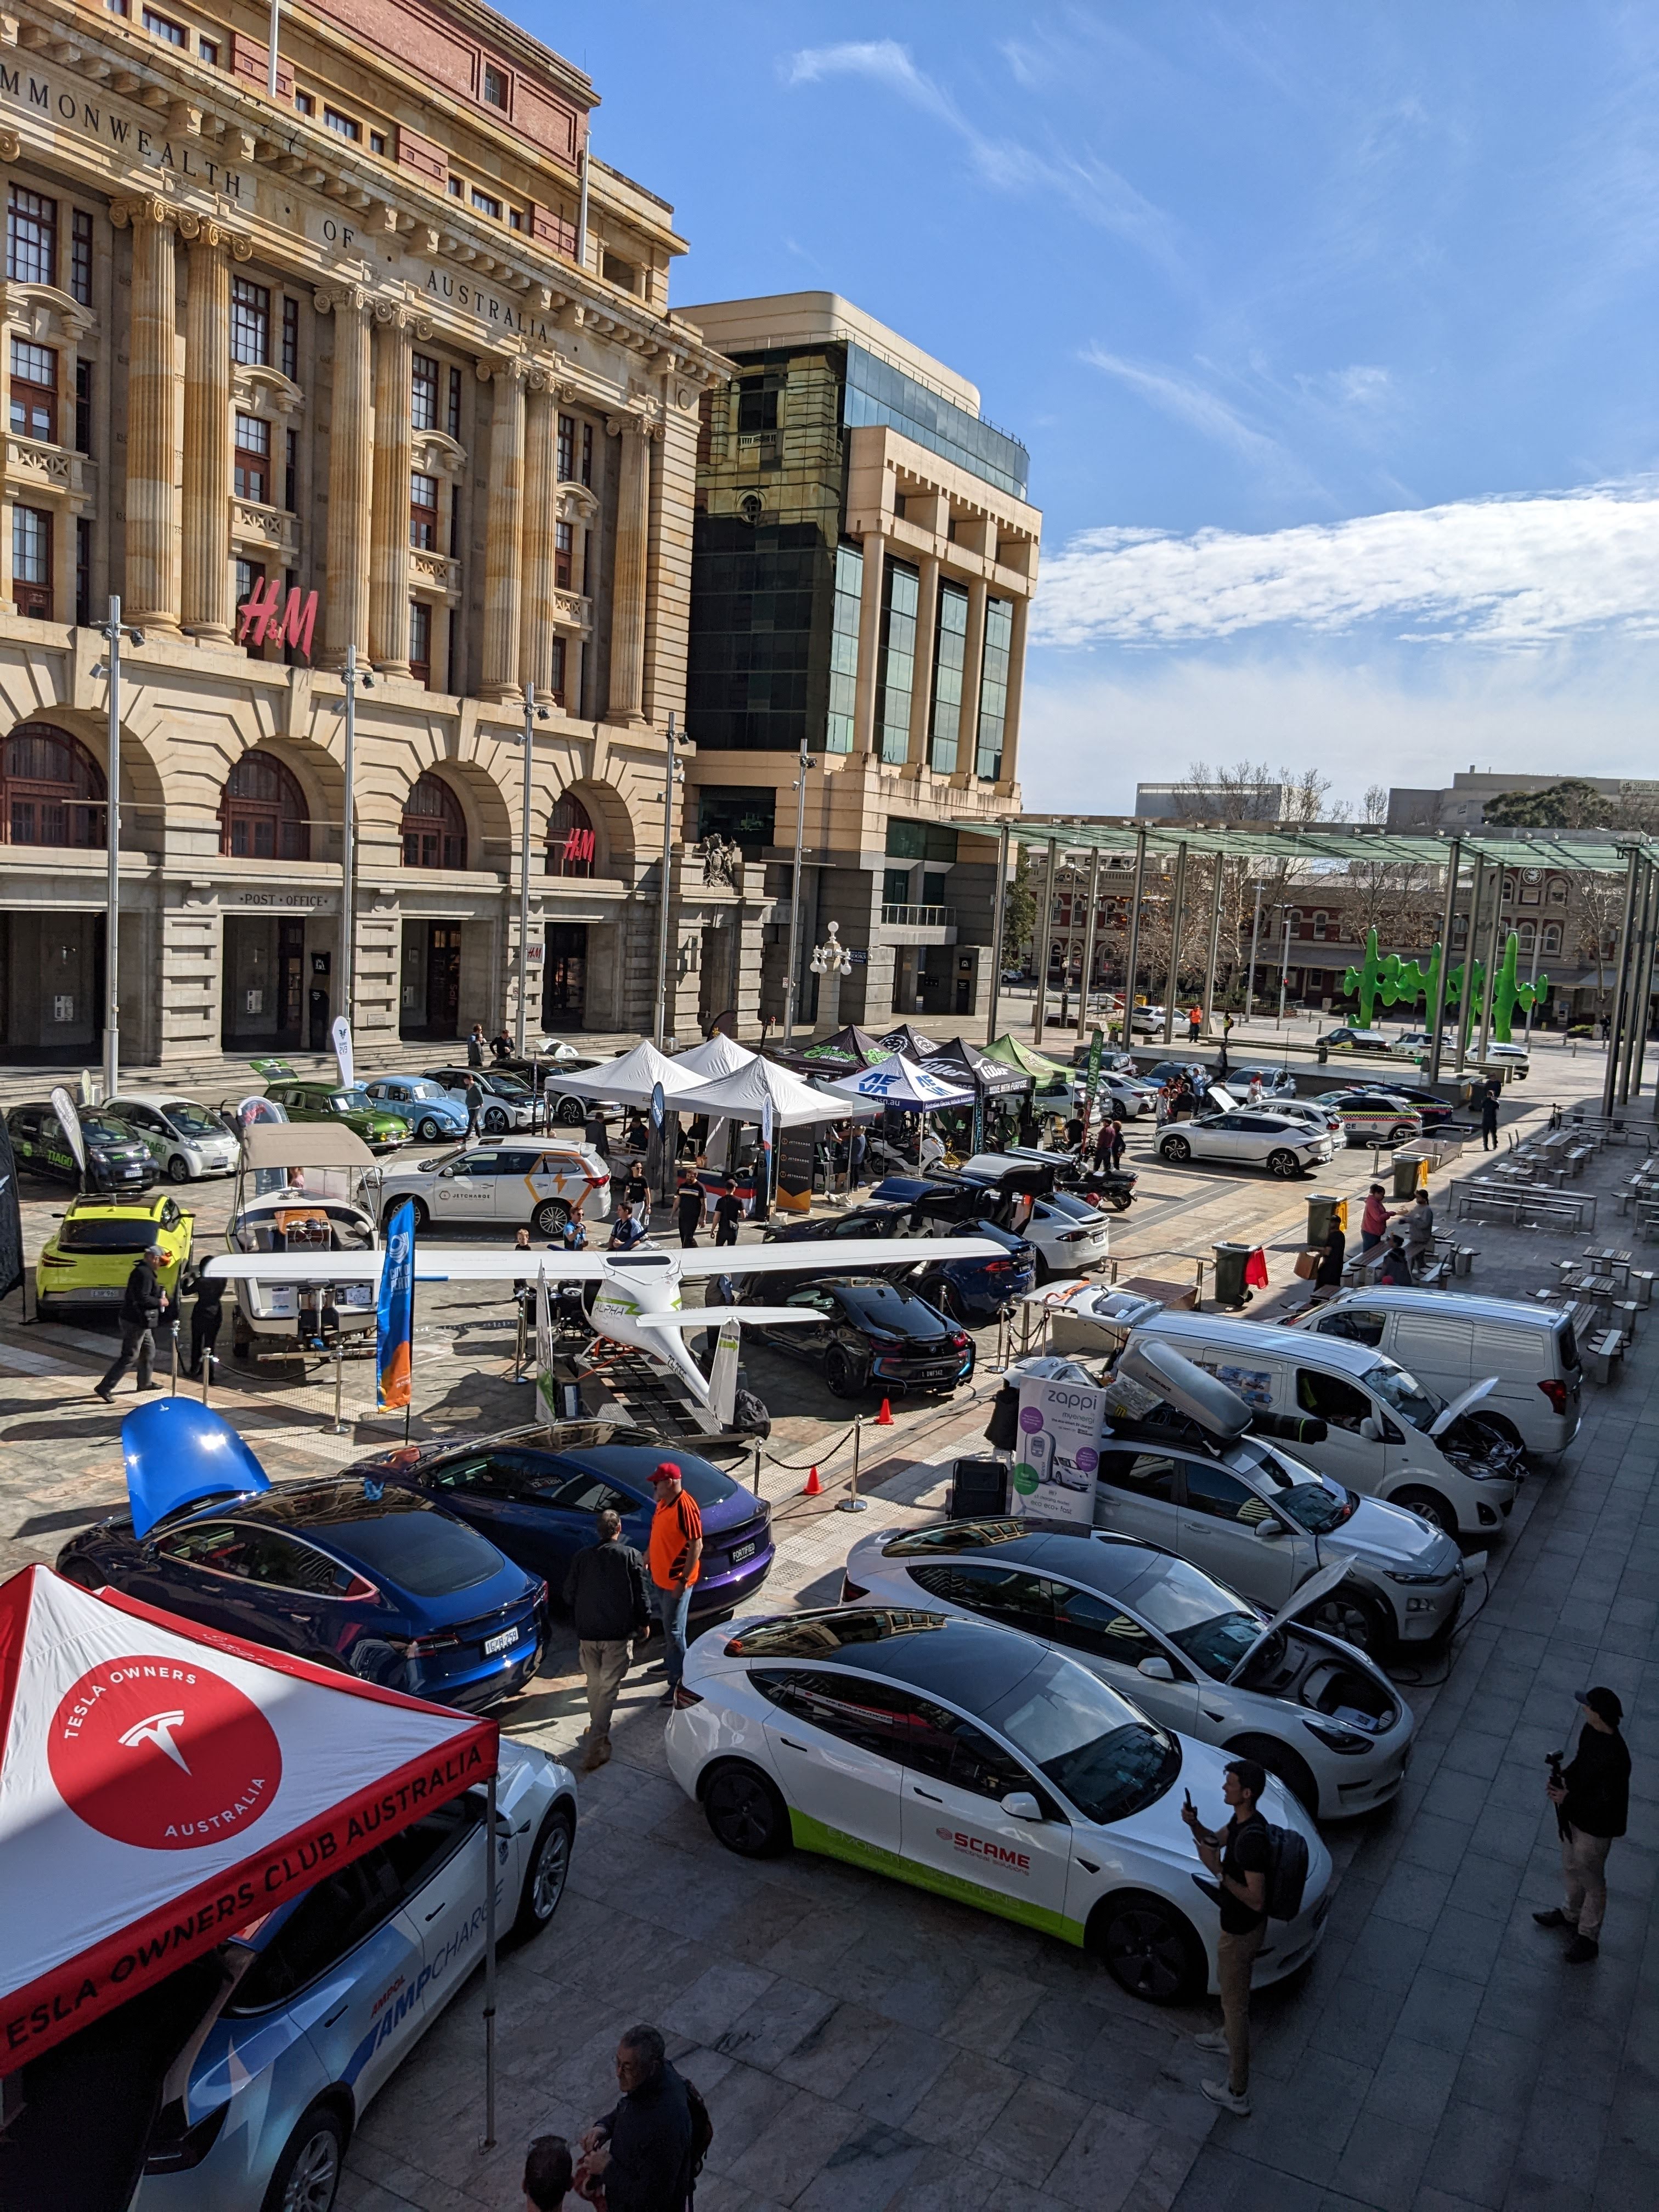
column 715, row 1056
column 742, row 1097
column 996, row 1079
column 899, row 1081
column 1008, row 1048
column 304, row 1145
column 630, row 1079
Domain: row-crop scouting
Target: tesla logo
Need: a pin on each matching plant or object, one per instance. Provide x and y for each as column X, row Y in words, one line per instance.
column 976, row 1847
column 158, row 1729
column 163, row 1755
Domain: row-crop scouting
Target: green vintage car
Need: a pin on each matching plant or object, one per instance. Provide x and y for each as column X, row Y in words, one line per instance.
column 330, row 1102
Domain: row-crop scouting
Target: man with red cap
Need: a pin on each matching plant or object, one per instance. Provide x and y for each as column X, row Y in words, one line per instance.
column 675, row 1553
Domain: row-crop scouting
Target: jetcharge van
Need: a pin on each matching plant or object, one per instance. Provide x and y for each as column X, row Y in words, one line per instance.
column 1385, row 1431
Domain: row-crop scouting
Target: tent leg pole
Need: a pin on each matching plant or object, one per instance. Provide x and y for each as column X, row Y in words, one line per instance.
column 339, row 1425
column 488, row 2140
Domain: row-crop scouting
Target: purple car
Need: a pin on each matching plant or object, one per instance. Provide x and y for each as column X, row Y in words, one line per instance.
column 535, row 1493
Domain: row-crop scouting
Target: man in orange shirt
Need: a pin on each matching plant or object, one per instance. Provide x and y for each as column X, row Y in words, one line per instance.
column 675, row 1553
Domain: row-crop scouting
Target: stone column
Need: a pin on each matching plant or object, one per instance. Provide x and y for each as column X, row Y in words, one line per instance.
column 541, row 464
column 345, row 613
column 151, row 593
column 504, row 541
column 1016, row 686
column 208, row 599
column 972, row 671
column 864, row 726
column 388, row 559
column 628, row 582
column 921, row 697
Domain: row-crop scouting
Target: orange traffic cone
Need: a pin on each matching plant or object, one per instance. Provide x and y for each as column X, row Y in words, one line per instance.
column 814, row 1488
column 884, row 1419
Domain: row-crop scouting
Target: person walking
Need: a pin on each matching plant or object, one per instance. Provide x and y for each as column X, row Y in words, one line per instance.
column 1116, row 1128
column 676, row 1555
column 641, row 2149
column 1491, row 1092
column 1374, row 1221
column 548, row 2174
column 625, row 1232
column 688, row 1208
column 144, row 1309
column 728, row 1212
column 857, row 1145
column 206, row 1316
column 1195, row 1023
column 1592, row 1807
column 1239, row 1855
column 472, row 1099
column 637, row 1190
column 1327, row 1276
column 475, row 1045
column 605, row 1588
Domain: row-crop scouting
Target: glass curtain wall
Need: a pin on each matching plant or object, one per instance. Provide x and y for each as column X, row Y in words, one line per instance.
column 844, row 649
column 950, row 660
column 993, row 687
column 901, row 597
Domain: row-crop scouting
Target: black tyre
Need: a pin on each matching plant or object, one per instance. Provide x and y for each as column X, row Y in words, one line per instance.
column 178, row 1167
column 569, row 1113
column 496, row 1121
column 307, row 2176
column 1285, row 1165
column 1432, row 1507
column 547, row 1872
column 1176, row 1149
column 1287, row 1766
column 1356, row 1618
column 1401, row 1132
column 840, row 1372
column 422, row 1215
column 746, row 1812
column 428, row 1131
column 1149, row 1948
column 1119, row 1201
column 551, row 1217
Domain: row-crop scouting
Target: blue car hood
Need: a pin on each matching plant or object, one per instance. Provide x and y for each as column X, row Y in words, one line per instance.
column 177, row 1451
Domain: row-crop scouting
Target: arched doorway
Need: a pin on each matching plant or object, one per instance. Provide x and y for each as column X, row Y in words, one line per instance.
column 572, row 840
column 434, row 827
column 434, row 836
column 262, row 811
column 51, row 962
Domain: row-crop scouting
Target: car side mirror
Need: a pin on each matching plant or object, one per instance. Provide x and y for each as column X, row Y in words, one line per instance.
column 1020, row 1805
column 1269, row 1530
column 1157, row 1670
column 1370, row 1431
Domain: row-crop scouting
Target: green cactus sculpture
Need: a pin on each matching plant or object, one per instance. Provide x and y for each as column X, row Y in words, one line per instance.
column 1365, row 982
column 1508, row 993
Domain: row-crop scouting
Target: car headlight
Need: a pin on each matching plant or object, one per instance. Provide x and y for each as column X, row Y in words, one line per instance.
column 1414, row 1581
column 1339, row 1739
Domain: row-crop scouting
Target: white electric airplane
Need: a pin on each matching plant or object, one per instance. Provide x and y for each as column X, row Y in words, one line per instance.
column 638, row 1303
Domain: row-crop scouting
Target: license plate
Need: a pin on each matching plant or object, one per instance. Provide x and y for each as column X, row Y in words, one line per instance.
column 494, row 1643
column 745, row 1551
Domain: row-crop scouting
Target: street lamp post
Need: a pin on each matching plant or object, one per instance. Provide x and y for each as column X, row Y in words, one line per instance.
column 113, row 634
column 831, row 961
column 1256, row 931
column 532, row 714
column 351, row 676
column 793, row 985
column 660, row 1024
column 1284, row 969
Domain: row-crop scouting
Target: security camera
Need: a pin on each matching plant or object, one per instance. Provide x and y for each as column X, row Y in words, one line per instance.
column 367, row 681
column 136, row 635
column 542, row 715
column 98, row 671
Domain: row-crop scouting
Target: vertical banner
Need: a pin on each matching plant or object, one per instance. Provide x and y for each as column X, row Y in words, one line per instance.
column 394, row 1318
column 723, row 1376
column 763, row 1196
column 345, row 1059
column 979, row 1121
column 1091, row 1085
column 68, row 1120
column 1058, row 1451
column 11, row 1219
column 547, row 1392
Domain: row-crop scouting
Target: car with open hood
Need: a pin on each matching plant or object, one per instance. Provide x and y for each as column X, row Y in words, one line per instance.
column 969, row 1759
column 349, row 1571
column 963, row 1290
column 1191, row 1653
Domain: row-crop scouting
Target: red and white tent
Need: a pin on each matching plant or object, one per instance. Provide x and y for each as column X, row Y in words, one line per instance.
column 162, row 1785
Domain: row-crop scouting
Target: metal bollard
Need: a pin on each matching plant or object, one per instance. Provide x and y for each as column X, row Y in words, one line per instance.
column 853, row 1503
column 173, row 1388
column 339, row 1425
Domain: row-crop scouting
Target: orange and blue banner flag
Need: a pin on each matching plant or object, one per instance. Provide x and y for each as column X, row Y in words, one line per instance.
column 395, row 1313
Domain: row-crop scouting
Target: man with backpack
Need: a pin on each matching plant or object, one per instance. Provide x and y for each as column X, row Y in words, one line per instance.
column 650, row 2146
column 1240, row 1857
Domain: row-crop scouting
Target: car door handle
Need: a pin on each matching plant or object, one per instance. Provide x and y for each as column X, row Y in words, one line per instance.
column 791, row 1744
column 436, row 1909
column 1209, row 1715
column 1088, row 1866
column 927, row 1793
column 335, row 2013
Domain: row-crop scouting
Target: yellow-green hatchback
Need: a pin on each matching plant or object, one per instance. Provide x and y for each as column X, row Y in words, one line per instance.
column 88, row 1261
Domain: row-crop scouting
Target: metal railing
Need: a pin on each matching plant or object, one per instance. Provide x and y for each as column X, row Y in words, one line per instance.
column 921, row 917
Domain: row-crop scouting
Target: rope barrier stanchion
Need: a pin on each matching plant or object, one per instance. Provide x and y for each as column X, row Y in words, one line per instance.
column 853, row 1503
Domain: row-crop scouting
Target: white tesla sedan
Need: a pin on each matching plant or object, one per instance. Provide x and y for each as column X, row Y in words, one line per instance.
column 972, row 1761
column 1194, row 1657
column 1247, row 1136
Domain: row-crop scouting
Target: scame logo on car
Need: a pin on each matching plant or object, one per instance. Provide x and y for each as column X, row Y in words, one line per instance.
column 979, row 1847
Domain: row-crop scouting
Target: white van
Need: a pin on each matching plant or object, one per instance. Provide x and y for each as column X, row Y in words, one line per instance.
column 1384, row 1433
column 1449, row 1342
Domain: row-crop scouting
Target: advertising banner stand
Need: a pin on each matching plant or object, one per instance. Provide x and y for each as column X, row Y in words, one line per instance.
column 1057, row 1453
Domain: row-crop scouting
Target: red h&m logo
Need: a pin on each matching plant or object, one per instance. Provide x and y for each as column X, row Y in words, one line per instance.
column 579, row 845
column 268, row 621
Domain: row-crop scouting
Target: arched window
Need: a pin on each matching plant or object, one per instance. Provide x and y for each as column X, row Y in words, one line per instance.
column 1525, row 932
column 55, row 790
column 262, row 813
column 571, row 842
column 1551, row 937
column 434, row 828
column 1320, row 921
column 1557, row 890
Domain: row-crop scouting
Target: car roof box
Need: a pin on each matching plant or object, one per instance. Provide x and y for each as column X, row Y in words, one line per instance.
column 1186, row 1387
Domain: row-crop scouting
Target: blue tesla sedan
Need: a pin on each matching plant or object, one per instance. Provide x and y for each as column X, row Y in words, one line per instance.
column 348, row 1569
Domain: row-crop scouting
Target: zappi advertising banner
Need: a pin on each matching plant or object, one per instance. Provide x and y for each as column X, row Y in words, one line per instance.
column 1059, row 1451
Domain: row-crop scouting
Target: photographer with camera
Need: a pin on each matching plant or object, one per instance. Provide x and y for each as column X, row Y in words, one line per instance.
column 1591, row 1799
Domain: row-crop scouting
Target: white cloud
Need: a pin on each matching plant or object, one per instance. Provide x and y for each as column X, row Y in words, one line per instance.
column 1191, row 402
column 1505, row 572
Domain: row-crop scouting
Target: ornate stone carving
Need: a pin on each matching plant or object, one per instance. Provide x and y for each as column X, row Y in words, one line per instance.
column 208, row 230
column 260, row 390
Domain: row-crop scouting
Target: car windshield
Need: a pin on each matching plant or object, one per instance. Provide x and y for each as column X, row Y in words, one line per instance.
column 102, row 1132
column 424, row 1089
column 189, row 1120
column 352, row 1102
column 1406, row 1395
column 1198, row 1618
column 1314, row 1502
column 1091, row 1744
column 508, row 1086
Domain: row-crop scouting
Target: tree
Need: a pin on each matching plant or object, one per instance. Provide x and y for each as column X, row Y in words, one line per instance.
column 1572, row 804
column 1018, row 910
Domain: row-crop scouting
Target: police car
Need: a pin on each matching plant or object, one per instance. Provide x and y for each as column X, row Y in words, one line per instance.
column 540, row 1181
column 328, row 1994
column 971, row 1760
column 1373, row 1117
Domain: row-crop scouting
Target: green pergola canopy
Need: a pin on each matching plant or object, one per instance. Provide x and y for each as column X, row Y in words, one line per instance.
column 1592, row 852
column 1009, row 1049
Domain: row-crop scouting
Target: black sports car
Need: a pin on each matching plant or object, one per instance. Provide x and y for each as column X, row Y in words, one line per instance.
column 871, row 1335
column 117, row 1159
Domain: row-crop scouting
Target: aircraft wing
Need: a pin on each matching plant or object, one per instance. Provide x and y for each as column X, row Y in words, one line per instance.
column 712, row 1316
column 434, row 1263
column 834, row 1256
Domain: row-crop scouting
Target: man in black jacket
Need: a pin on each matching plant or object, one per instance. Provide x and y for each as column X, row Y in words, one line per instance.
column 605, row 1591
column 1592, row 1803
column 643, row 2147
column 143, row 1305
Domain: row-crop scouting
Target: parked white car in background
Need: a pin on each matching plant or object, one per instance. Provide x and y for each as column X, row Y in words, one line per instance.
column 1066, row 1235
column 185, row 1139
column 1246, row 1136
column 538, row 1182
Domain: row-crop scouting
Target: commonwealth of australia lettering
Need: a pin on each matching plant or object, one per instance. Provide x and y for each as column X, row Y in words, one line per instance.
column 40, row 95
column 484, row 305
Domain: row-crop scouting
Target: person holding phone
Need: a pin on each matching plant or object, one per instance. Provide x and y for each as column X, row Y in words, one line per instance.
column 1239, row 1855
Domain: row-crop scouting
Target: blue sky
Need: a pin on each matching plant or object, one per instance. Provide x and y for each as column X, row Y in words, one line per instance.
column 1331, row 330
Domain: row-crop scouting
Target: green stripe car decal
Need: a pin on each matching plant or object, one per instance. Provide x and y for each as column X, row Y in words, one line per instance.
column 810, row 1835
